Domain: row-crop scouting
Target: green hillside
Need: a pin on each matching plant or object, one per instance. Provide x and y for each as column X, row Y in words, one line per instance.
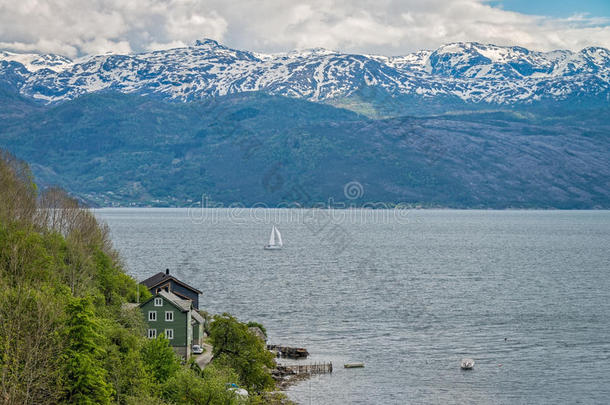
column 116, row 149
column 66, row 335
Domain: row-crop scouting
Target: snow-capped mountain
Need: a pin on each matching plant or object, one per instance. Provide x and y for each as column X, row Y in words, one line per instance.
column 34, row 62
column 471, row 72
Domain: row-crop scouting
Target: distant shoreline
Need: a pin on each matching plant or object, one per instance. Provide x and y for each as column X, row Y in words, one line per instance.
column 358, row 208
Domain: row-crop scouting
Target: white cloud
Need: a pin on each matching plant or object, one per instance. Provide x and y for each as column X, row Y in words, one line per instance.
column 75, row 27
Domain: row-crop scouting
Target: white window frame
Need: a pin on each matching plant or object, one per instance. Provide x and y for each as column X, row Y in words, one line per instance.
column 169, row 318
column 152, row 333
column 169, row 334
column 152, row 316
column 158, row 302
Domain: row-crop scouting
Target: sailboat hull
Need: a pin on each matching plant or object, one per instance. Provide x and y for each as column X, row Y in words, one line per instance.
column 269, row 247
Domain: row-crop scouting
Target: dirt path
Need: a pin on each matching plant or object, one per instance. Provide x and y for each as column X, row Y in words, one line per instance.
column 204, row 359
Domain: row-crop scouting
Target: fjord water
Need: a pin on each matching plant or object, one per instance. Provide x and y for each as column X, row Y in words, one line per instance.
column 524, row 293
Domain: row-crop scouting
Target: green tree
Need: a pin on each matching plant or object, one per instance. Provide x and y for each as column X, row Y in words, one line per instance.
column 253, row 324
column 18, row 191
column 160, row 359
column 186, row 387
column 116, row 286
column 124, row 364
column 30, row 347
column 85, row 381
column 245, row 353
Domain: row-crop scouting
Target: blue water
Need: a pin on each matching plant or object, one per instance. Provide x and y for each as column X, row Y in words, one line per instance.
column 408, row 294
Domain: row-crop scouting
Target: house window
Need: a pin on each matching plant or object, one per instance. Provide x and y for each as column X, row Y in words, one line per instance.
column 169, row 334
column 152, row 315
column 152, row 333
column 169, row 316
column 158, row 302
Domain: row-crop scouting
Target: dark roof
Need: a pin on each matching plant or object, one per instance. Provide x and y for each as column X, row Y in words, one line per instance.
column 162, row 277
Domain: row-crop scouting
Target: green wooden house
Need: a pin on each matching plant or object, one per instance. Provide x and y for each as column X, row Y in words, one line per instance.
column 168, row 314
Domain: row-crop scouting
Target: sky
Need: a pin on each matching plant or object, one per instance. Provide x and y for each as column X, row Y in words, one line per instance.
column 556, row 8
column 76, row 28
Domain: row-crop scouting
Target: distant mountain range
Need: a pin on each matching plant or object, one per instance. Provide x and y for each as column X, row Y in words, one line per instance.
column 465, row 125
column 468, row 72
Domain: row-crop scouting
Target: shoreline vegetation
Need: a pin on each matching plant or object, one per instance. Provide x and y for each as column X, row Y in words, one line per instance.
column 66, row 335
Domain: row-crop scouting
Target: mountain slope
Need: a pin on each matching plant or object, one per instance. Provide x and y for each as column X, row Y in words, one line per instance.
column 112, row 148
column 468, row 73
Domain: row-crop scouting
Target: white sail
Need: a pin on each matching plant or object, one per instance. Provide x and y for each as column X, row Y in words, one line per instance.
column 275, row 240
column 279, row 236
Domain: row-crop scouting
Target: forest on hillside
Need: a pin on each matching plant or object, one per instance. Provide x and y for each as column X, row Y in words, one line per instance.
column 66, row 335
column 110, row 149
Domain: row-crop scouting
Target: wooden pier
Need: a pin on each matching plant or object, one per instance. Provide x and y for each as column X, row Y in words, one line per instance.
column 289, row 352
column 300, row 369
column 288, row 374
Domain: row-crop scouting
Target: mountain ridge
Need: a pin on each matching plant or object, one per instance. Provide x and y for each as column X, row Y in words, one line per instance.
column 469, row 72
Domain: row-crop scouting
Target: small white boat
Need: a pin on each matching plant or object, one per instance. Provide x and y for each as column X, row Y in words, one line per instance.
column 275, row 240
column 467, row 364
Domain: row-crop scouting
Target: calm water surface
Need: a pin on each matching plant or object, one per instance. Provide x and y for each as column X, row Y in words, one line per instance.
column 408, row 295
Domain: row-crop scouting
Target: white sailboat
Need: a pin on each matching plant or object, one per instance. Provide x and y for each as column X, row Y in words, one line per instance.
column 275, row 240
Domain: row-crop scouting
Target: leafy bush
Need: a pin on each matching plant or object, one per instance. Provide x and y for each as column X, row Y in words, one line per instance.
column 235, row 347
column 187, row 387
column 160, row 359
